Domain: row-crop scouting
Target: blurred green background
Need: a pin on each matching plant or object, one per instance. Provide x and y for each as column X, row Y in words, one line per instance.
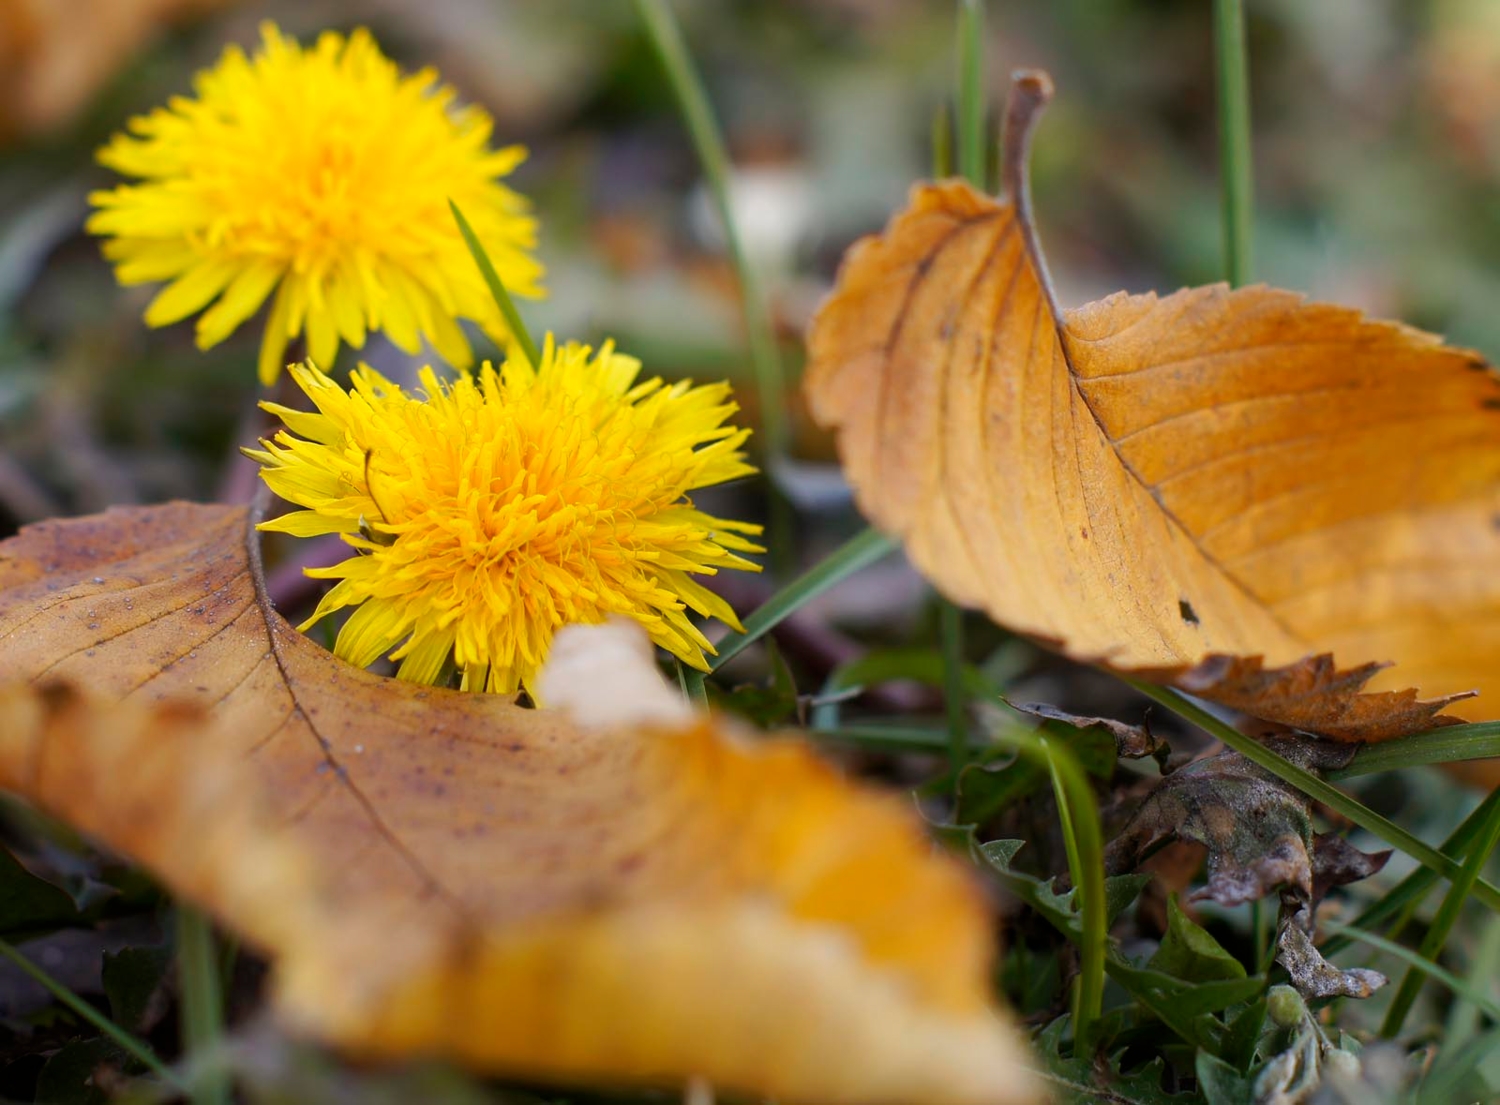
column 1377, row 149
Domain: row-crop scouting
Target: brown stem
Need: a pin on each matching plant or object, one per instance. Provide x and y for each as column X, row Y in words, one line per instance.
column 1030, row 92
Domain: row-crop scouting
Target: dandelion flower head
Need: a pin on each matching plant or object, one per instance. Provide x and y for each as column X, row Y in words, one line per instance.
column 318, row 178
column 488, row 512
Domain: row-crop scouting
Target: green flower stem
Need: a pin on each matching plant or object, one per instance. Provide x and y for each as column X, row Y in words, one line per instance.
column 1442, row 925
column 502, row 297
column 1233, row 73
column 1316, row 788
column 694, row 686
column 87, row 1012
column 770, row 381
column 857, row 553
column 202, row 1000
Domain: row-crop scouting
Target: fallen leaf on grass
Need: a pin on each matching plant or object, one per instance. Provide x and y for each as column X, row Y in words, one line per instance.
column 1213, row 488
column 614, row 896
column 1257, row 829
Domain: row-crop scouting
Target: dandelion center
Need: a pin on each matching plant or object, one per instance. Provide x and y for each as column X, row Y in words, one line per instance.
column 488, row 512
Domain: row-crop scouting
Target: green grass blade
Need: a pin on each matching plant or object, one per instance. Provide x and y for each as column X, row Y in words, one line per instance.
column 942, row 143
column 951, row 632
column 1447, row 744
column 202, row 1000
column 1316, row 788
column 1233, row 73
column 1415, row 961
column 971, row 132
column 1407, row 894
column 1448, row 1080
column 857, row 553
column 893, row 738
column 1084, row 841
column 1442, row 924
column 1464, row 1017
column 87, row 1012
column 671, row 50
column 492, row 281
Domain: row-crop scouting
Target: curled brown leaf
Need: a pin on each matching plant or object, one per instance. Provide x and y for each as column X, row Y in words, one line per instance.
column 1213, row 488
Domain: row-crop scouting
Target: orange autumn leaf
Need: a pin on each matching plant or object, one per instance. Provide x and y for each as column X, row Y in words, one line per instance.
column 1215, row 489
column 618, row 894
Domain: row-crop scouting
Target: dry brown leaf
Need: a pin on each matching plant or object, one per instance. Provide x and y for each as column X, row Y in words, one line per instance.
column 440, row 873
column 1213, row 488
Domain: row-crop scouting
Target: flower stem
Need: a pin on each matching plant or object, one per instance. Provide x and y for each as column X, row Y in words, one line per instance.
column 202, row 1000
column 694, row 686
column 856, row 553
column 671, row 51
column 87, row 1012
column 492, row 280
column 1235, row 166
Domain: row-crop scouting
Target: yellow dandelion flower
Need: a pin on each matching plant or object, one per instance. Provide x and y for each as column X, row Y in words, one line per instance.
column 322, row 175
column 489, row 511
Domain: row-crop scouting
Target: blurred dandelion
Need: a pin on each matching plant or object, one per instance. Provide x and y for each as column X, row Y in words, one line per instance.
column 321, row 175
column 494, row 509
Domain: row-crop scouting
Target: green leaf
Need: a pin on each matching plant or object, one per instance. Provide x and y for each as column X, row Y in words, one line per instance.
column 1060, row 910
column 132, row 977
column 1241, row 1040
column 1078, row 1079
column 765, row 704
column 1221, row 1084
column 1190, row 952
column 858, row 552
column 986, row 788
column 983, row 789
column 29, row 905
column 68, row 1077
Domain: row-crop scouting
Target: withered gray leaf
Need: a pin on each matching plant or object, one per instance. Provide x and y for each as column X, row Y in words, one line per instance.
column 1132, row 742
column 1257, row 830
column 1336, row 862
column 1314, row 976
